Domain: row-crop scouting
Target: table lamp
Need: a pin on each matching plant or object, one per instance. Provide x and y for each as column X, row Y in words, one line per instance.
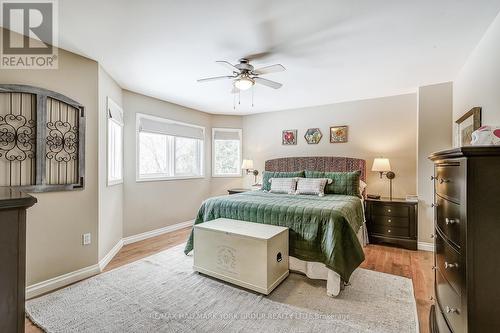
column 383, row 166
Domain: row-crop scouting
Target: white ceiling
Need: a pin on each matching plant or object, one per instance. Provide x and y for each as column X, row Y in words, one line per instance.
column 333, row 50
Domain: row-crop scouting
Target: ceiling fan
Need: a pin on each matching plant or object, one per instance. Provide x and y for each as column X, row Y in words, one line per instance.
column 245, row 75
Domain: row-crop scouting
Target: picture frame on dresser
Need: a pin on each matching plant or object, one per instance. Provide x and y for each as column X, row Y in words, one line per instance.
column 465, row 125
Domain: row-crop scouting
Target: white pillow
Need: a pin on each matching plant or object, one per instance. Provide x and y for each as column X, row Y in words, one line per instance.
column 283, row 185
column 362, row 186
column 315, row 186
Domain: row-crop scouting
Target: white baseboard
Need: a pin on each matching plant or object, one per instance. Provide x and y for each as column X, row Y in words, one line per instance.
column 61, row 281
column 156, row 232
column 83, row 273
column 424, row 246
column 107, row 258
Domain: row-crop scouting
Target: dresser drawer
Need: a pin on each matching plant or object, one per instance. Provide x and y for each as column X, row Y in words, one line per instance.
column 390, row 221
column 449, row 302
column 448, row 220
column 449, row 179
column 437, row 322
column 449, row 264
column 390, row 231
column 391, row 210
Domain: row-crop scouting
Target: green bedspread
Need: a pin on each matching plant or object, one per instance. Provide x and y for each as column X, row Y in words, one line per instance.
column 321, row 229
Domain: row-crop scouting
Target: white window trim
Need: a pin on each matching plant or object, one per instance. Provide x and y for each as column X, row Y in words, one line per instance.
column 113, row 104
column 142, row 179
column 240, row 132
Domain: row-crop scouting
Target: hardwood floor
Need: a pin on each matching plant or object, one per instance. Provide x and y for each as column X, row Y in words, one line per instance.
column 416, row 265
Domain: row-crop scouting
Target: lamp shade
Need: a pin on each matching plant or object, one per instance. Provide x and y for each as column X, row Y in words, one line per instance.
column 247, row 164
column 381, row 165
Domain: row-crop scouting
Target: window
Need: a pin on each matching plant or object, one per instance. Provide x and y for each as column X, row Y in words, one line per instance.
column 168, row 149
column 115, row 143
column 226, row 148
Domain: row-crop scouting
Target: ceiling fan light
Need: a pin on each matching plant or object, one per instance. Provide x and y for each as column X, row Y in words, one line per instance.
column 244, row 83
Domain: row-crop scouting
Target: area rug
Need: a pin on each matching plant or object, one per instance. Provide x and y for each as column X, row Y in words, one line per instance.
column 161, row 293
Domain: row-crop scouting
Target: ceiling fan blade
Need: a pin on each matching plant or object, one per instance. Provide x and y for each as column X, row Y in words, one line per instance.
column 269, row 69
column 268, row 83
column 228, row 65
column 215, row 78
column 258, row 56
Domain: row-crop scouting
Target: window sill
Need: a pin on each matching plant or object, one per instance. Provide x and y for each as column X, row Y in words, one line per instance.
column 227, row 176
column 161, row 179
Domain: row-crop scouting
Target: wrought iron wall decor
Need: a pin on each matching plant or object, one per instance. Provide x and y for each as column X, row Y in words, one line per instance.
column 42, row 137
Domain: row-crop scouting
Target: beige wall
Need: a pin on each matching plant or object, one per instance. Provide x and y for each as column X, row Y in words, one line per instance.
column 110, row 197
column 377, row 127
column 156, row 204
column 56, row 223
column 434, row 134
column 478, row 83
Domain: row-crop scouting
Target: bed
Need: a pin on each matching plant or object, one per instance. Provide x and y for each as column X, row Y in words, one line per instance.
column 326, row 233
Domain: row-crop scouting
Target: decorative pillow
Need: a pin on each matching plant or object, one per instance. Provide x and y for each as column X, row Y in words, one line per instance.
column 315, row 186
column 346, row 183
column 362, row 186
column 283, row 185
column 266, row 185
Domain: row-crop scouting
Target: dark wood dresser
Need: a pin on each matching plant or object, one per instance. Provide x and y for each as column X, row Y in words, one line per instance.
column 467, row 238
column 392, row 222
column 13, row 206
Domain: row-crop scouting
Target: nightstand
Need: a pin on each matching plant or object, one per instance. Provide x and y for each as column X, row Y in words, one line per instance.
column 238, row 190
column 392, row 222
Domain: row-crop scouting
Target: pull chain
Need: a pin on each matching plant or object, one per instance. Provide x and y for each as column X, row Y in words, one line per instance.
column 252, row 95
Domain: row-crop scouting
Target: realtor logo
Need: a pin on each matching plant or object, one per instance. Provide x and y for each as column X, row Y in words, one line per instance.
column 29, row 39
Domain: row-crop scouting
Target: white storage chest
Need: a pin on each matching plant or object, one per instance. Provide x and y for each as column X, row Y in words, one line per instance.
column 250, row 255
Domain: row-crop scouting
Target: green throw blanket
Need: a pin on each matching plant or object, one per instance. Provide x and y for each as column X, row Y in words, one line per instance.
column 321, row 229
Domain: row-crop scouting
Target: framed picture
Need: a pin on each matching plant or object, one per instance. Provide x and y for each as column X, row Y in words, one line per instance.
column 313, row 136
column 338, row 134
column 467, row 124
column 289, row 137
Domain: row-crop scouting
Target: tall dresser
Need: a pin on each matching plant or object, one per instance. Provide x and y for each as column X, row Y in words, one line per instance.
column 13, row 205
column 467, row 237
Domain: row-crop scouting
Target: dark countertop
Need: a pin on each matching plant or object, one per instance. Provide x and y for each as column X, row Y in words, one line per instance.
column 12, row 198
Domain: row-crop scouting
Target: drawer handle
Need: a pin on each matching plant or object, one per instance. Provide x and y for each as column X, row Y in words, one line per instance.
column 388, row 210
column 434, row 205
column 451, row 310
column 389, row 230
column 433, row 235
column 434, row 178
column 434, row 268
column 443, row 181
column 451, row 221
column 448, row 265
column 389, row 220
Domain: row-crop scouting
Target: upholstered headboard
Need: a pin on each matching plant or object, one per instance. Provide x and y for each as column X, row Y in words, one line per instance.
column 318, row 163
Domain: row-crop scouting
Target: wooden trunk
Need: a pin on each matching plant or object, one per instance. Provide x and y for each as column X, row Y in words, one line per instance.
column 250, row 255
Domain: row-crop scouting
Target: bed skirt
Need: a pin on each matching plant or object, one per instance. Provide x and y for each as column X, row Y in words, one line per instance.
column 318, row 271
